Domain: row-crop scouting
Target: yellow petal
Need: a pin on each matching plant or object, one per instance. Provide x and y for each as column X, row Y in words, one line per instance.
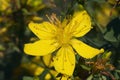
column 44, row 30
column 85, row 50
column 64, row 61
column 47, row 59
column 79, row 25
column 40, row 48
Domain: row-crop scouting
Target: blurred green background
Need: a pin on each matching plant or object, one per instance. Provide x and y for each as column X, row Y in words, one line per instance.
column 14, row 33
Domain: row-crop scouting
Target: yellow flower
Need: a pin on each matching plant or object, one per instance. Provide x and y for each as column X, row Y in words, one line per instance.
column 62, row 37
column 4, row 4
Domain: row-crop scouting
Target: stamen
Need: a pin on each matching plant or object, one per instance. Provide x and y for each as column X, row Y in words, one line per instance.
column 55, row 18
column 49, row 19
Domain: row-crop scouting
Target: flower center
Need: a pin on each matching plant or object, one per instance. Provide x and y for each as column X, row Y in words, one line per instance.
column 62, row 37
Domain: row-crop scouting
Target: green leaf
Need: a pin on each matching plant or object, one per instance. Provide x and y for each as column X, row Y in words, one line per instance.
column 117, row 71
column 85, row 67
column 90, row 77
column 28, row 78
column 2, row 48
column 116, row 75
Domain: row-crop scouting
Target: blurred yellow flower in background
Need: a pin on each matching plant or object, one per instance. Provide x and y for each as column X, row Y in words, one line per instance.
column 4, row 4
column 62, row 37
